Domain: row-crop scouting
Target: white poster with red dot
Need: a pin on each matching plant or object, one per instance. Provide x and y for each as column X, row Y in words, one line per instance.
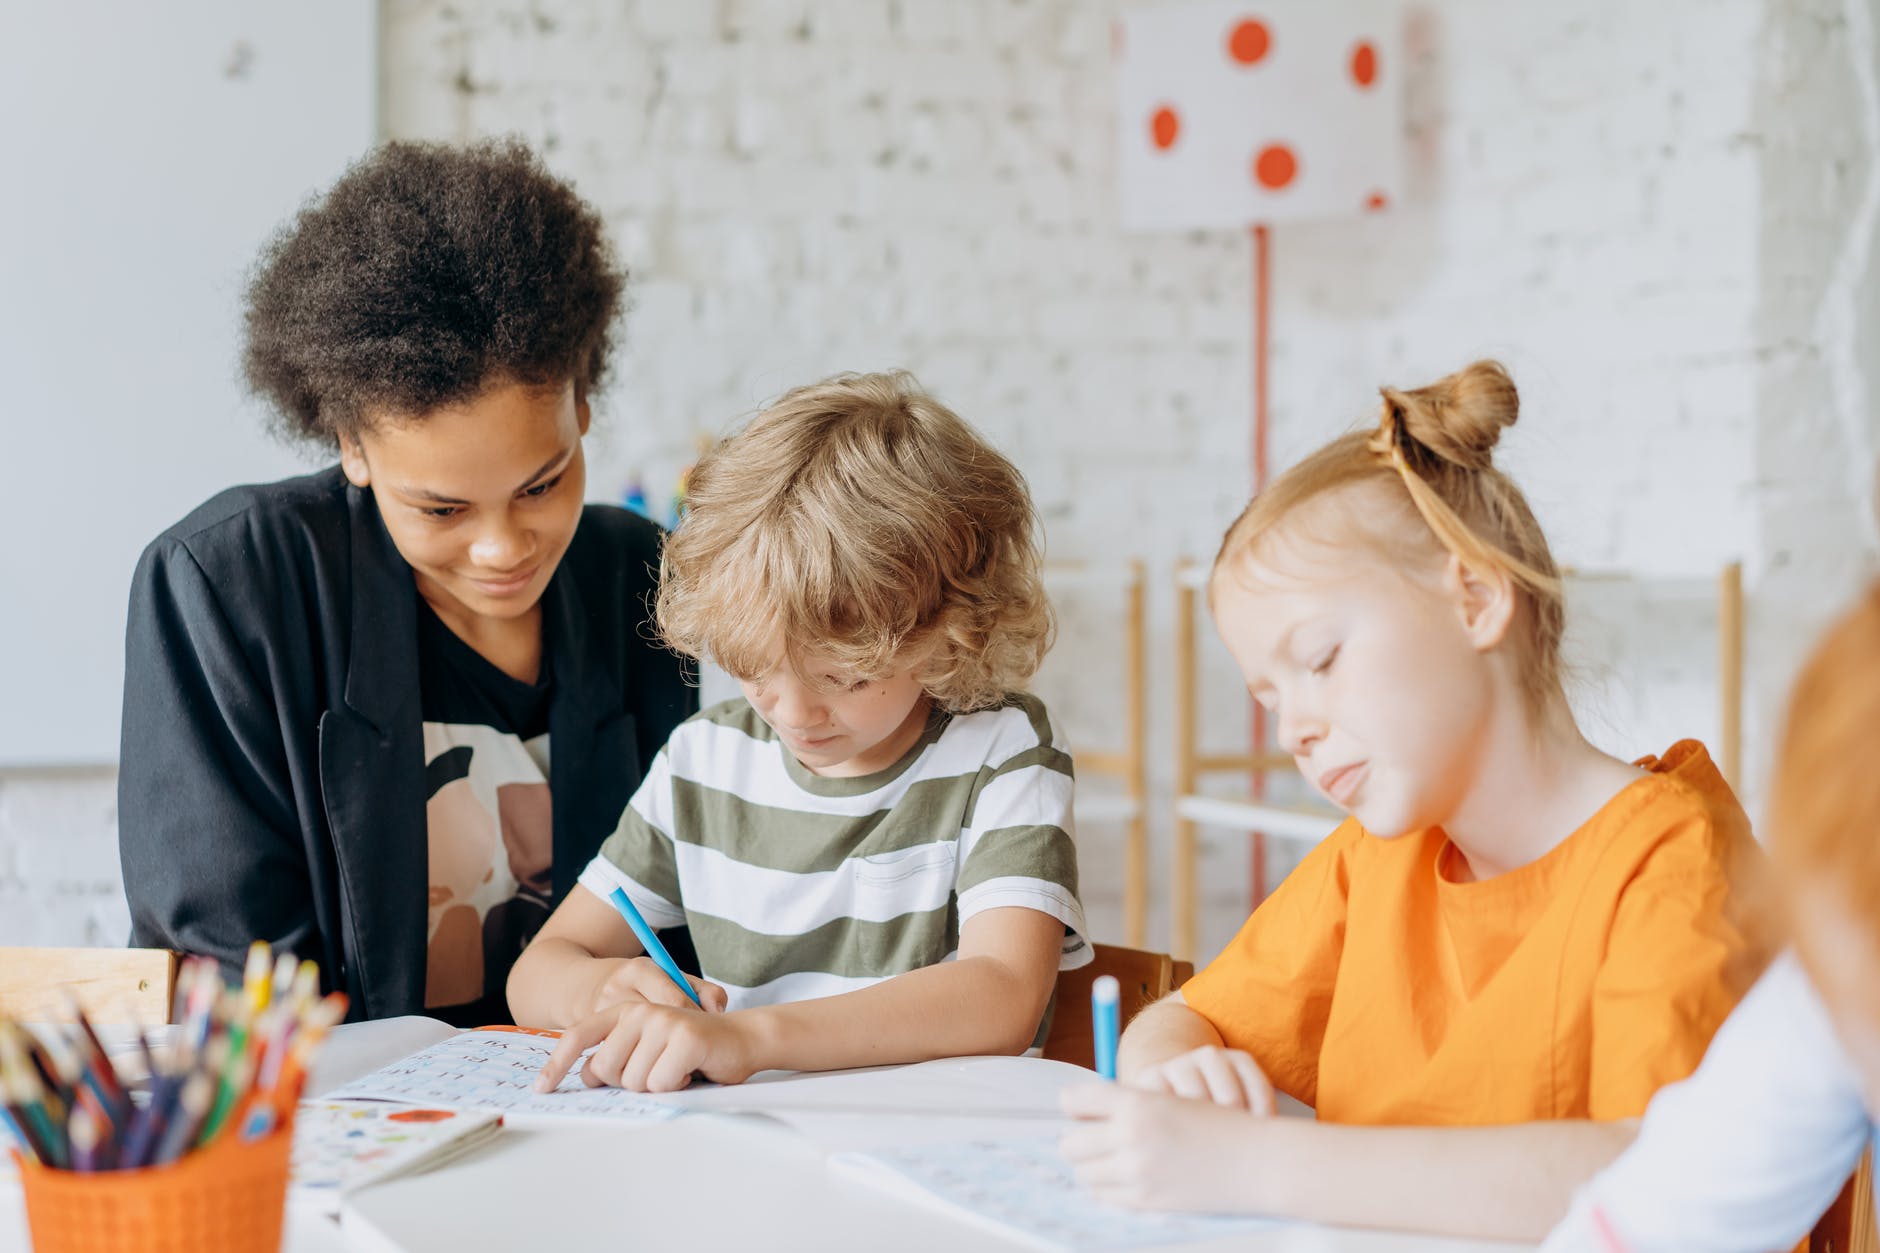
column 1234, row 114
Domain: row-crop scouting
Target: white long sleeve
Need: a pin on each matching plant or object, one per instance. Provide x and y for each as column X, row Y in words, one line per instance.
column 1746, row 1154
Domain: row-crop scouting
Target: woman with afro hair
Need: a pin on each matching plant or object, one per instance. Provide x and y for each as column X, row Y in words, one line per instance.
column 341, row 690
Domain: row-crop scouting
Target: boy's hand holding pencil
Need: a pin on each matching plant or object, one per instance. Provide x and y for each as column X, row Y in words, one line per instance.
column 674, row 979
column 624, row 979
column 652, row 1037
column 652, row 1048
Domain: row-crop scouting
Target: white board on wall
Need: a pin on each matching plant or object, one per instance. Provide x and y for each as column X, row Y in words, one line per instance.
column 150, row 150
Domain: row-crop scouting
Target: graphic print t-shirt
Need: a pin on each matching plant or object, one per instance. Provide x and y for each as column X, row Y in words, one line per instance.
column 489, row 817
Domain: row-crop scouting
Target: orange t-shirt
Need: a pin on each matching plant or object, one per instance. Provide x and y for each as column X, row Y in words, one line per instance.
column 1378, row 990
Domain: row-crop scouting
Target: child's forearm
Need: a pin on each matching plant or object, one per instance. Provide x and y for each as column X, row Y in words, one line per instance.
column 551, row 984
column 1165, row 1029
column 975, row 1005
column 1520, row 1177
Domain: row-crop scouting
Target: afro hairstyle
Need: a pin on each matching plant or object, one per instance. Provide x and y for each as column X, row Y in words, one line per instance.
column 426, row 274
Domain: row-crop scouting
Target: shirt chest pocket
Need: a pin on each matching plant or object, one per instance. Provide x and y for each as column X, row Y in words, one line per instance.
column 907, row 880
column 904, row 903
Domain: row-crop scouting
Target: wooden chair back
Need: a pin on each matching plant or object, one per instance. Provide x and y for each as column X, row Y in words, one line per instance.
column 1145, row 978
column 113, row 985
column 1848, row 1226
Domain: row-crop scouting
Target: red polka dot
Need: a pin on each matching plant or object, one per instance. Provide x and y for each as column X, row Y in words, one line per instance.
column 1248, row 41
column 1376, row 200
column 1116, row 39
column 1275, row 166
column 1364, row 63
column 1164, row 127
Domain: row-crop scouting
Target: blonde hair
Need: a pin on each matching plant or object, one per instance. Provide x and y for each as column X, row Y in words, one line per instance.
column 861, row 519
column 1825, row 807
column 1433, row 452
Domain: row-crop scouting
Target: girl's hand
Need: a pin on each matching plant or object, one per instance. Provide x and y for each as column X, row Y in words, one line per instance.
column 621, row 979
column 652, row 1048
column 1224, row 1076
column 1150, row 1150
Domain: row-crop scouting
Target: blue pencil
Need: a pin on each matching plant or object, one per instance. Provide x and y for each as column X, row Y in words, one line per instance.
column 148, row 1123
column 650, row 942
column 1105, row 996
column 192, row 1105
column 27, row 1148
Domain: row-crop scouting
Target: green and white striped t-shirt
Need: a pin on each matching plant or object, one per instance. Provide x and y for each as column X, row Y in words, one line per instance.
column 798, row 886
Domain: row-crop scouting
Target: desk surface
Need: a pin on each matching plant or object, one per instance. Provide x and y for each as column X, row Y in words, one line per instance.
column 717, row 1181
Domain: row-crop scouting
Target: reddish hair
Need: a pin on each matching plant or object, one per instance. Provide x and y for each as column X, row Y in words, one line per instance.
column 1824, row 813
column 1430, row 458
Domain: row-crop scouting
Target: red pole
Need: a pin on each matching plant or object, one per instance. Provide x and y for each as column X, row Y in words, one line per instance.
column 1260, row 264
column 1260, row 331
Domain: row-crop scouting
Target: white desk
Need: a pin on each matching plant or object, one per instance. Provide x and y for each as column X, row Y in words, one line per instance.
column 702, row 1182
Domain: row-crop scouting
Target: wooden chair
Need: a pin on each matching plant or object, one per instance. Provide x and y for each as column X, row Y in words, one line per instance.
column 1848, row 1226
column 1145, row 978
column 113, row 985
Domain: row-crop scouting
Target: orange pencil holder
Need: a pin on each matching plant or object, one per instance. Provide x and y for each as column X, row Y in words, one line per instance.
column 228, row 1197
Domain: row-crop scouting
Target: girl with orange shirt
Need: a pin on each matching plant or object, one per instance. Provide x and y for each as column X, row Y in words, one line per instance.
column 1480, row 978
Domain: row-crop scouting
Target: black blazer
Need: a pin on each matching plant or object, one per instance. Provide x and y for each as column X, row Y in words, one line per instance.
column 271, row 775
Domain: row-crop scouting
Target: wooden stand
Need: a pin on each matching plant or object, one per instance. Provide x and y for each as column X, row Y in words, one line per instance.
column 1130, row 764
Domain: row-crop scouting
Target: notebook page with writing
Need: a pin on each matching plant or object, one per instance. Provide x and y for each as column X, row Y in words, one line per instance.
column 495, row 1069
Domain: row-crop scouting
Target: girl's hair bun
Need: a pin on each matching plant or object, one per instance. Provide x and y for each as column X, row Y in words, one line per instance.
column 1458, row 418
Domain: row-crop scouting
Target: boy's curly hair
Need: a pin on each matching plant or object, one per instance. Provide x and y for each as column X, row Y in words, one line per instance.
column 862, row 520
column 427, row 273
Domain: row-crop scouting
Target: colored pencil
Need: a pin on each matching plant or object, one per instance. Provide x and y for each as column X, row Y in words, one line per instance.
column 234, row 1068
column 25, row 1097
column 1105, row 998
column 50, row 1072
column 84, row 1134
column 650, row 942
column 148, row 1123
column 192, row 1105
column 96, row 1070
column 31, row 1139
column 236, row 1076
column 258, row 977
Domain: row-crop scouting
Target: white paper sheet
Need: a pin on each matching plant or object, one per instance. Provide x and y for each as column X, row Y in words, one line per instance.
column 1024, row 1188
column 952, row 1099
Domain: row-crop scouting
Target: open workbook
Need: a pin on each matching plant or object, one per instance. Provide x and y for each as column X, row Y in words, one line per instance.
column 975, row 1135
column 494, row 1069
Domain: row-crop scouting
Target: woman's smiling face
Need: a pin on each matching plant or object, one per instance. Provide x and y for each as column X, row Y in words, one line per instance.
column 481, row 498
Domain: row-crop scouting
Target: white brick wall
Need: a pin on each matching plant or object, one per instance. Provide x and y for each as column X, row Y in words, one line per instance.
column 1660, row 215
column 59, row 877
column 1817, row 118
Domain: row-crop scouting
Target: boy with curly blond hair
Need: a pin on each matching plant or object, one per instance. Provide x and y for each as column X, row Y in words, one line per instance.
column 872, row 848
